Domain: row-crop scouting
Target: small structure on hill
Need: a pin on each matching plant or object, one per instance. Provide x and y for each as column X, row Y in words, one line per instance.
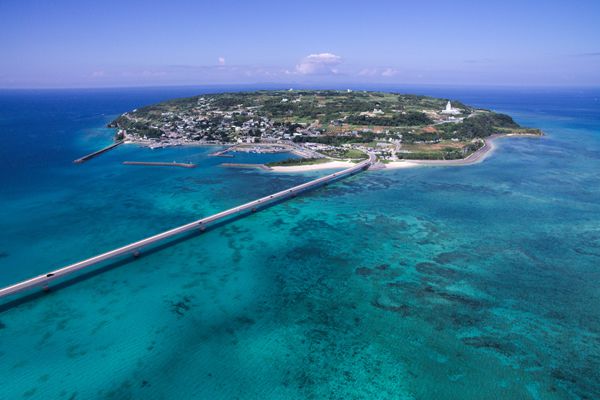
column 449, row 110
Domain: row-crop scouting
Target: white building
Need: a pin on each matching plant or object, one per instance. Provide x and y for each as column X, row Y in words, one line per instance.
column 450, row 110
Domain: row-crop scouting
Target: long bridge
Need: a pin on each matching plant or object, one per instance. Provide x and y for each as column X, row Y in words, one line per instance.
column 42, row 281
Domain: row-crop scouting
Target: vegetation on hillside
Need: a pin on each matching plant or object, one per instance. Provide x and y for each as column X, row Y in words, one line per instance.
column 329, row 120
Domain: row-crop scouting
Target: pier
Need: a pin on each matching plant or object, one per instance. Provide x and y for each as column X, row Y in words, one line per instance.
column 160, row 164
column 97, row 153
column 42, row 281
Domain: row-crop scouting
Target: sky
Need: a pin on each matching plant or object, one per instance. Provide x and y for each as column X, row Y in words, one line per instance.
column 51, row 44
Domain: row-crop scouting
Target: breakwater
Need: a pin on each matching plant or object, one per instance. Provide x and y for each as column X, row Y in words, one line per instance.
column 160, row 164
column 97, row 153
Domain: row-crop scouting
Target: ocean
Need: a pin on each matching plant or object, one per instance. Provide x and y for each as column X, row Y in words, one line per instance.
column 471, row 282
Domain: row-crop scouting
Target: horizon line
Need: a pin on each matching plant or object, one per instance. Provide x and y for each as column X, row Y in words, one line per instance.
column 319, row 86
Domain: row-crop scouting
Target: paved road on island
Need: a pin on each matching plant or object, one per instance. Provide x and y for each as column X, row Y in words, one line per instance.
column 41, row 281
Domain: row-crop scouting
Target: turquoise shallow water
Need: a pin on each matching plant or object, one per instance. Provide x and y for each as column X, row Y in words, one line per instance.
column 473, row 282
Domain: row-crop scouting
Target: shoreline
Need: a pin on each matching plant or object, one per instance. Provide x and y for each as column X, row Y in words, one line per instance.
column 312, row 167
column 474, row 158
column 478, row 156
column 250, row 166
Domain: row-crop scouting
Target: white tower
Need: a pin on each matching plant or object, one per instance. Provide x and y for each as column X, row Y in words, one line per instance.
column 449, row 110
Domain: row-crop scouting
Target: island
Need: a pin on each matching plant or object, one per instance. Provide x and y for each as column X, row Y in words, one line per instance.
column 323, row 127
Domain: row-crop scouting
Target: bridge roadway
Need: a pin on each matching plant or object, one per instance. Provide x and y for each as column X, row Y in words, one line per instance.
column 41, row 281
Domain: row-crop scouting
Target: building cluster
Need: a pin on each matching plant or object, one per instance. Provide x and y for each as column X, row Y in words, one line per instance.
column 206, row 123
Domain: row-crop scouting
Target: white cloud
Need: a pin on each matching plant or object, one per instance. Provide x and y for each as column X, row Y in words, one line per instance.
column 319, row 64
column 385, row 72
column 221, row 60
column 389, row 72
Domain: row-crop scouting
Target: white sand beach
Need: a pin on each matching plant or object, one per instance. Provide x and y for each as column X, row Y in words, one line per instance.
column 485, row 151
column 400, row 164
column 313, row 167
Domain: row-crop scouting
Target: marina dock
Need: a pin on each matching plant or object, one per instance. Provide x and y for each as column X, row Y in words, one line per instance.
column 97, row 153
column 133, row 249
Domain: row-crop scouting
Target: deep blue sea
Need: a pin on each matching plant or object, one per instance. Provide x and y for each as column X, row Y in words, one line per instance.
column 473, row 282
